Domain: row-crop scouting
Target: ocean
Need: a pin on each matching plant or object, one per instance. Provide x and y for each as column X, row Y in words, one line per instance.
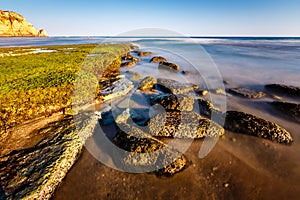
column 245, row 60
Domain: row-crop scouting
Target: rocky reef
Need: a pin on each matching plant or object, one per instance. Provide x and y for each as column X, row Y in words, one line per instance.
column 14, row 25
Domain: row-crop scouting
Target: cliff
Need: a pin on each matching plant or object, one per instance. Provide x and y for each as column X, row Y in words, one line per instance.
column 14, row 25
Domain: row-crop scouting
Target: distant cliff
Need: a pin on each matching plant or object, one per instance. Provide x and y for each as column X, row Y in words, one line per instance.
column 13, row 25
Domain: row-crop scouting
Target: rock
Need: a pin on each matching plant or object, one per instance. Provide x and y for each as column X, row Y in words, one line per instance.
column 158, row 59
column 183, row 124
column 201, row 92
column 290, row 109
column 174, row 102
column 219, row 91
column 168, row 65
column 128, row 64
column 144, row 53
column 205, row 107
column 145, row 153
column 175, row 87
column 130, row 57
column 35, row 172
column 147, row 83
column 241, row 122
column 115, row 89
column 134, row 76
column 123, row 117
column 14, row 24
column 246, row 92
column 284, row 89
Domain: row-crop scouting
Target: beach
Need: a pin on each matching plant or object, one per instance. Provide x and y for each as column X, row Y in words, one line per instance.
column 239, row 166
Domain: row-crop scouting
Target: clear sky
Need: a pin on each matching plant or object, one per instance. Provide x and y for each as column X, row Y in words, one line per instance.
column 202, row 17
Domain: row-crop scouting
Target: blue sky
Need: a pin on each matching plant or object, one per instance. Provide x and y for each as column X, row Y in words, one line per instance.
column 202, row 17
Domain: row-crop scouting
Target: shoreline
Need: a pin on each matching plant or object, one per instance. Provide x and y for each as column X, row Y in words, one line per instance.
column 223, row 181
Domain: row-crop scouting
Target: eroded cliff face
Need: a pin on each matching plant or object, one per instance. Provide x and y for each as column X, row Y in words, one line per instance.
column 14, row 24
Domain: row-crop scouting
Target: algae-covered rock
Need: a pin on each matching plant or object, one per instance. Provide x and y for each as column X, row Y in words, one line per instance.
column 35, row 172
column 144, row 53
column 128, row 64
column 147, row 83
column 246, row 92
column 175, row 87
column 168, row 65
column 245, row 123
column 146, row 153
column 158, row 59
column 130, row 58
column 183, row 125
column 177, row 102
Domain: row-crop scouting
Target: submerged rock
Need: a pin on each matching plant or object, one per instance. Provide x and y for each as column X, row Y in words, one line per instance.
column 158, row 59
column 183, row 125
column 246, row 92
column 145, row 153
column 284, row 89
column 115, row 89
column 144, row 53
column 147, row 83
column 175, row 87
column 241, row 122
column 174, row 102
column 290, row 109
column 128, row 64
column 168, row 65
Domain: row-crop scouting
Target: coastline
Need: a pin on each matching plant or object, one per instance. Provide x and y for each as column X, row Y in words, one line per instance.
column 239, row 149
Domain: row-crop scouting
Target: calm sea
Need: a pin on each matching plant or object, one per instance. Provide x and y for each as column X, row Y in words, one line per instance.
column 244, row 61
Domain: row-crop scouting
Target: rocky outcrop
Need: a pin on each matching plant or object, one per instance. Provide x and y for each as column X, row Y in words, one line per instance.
column 246, row 92
column 158, row 59
column 168, row 65
column 147, row 83
column 184, row 124
column 14, row 25
column 284, row 89
column 175, row 87
column 245, row 123
column 174, row 102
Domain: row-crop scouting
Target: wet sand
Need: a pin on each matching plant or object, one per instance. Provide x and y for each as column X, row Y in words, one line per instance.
column 238, row 167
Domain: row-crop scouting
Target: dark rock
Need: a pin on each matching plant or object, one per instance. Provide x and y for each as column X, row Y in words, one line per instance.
column 290, row 109
column 183, row 125
column 205, row 107
column 168, row 65
column 147, row 83
column 284, row 89
column 246, row 92
column 158, row 59
column 174, row 102
column 241, row 122
column 144, row 53
column 175, row 87
column 128, row 64
column 145, row 153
